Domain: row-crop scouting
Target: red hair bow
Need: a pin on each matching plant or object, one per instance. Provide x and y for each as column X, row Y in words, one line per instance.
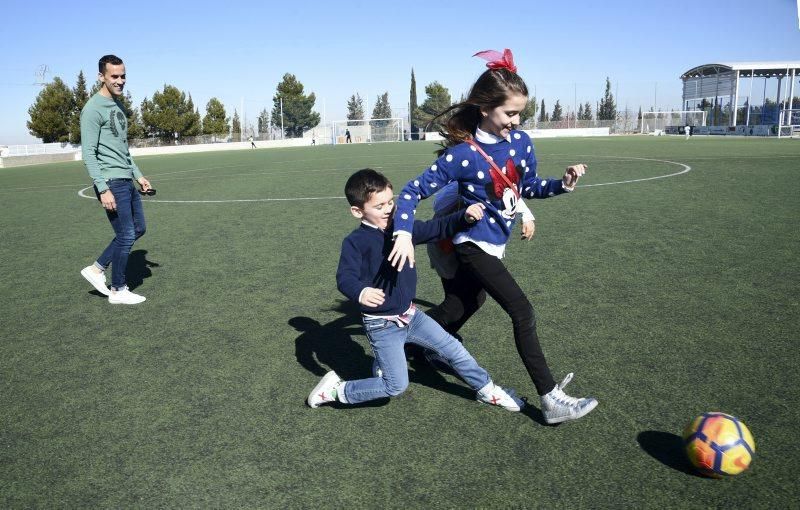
column 497, row 60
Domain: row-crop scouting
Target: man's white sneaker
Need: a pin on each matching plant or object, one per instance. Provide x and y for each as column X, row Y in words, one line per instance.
column 326, row 390
column 124, row 297
column 558, row 407
column 497, row 396
column 98, row 280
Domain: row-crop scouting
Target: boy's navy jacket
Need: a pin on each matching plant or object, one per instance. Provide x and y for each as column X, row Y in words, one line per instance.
column 364, row 262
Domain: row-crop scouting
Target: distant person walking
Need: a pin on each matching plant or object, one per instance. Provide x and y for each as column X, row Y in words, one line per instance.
column 104, row 133
column 347, row 136
column 687, row 130
column 252, row 143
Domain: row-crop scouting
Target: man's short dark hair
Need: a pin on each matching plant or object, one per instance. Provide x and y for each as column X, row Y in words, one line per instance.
column 108, row 59
column 362, row 184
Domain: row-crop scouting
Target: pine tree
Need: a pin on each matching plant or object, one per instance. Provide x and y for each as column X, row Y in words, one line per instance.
column 193, row 125
column 382, row 110
column 580, row 112
column 79, row 97
column 557, row 114
column 438, row 100
column 355, row 109
column 529, row 112
column 263, row 122
column 298, row 115
column 608, row 108
column 587, row 111
column 51, row 112
column 236, row 130
column 215, row 121
column 170, row 114
column 542, row 113
column 412, row 106
column 135, row 127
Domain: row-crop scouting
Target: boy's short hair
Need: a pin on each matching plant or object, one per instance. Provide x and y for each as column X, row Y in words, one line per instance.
column 364, row 183
column 108, row 59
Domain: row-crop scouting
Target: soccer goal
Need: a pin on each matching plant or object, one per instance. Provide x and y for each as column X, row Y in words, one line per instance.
column 659, row 123
column 789, row 124
column 367, row 131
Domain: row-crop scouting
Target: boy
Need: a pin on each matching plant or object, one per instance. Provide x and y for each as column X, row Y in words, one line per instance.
column 385, row 295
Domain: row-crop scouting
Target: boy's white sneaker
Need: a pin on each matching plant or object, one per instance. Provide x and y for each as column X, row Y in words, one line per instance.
column 124, row 297
column 326, row 390
column 558, row 407
column 97, row 279
column 497, row 396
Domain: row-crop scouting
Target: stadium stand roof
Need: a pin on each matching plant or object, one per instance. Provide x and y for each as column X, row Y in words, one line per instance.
column 719, row 84
column 776, row 68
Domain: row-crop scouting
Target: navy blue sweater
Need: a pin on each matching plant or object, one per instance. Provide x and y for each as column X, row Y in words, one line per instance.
column 364, row 262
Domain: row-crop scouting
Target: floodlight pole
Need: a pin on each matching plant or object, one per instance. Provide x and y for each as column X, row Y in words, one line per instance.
column 735, row 99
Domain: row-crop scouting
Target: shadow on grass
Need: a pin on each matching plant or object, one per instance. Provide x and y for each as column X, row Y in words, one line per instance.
column 667, row 449
column 138, row 268
column 333, row 345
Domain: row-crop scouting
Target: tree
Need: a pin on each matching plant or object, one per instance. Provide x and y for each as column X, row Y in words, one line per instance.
column 194, row 126
column 263, row 122
column 542, row 113
column 79, row 98
column 529, row 112
column 587, row 111
column 382, row 110
column 51, row 112
column 412, row 106
column 580, row 112
column 215, row 121
column 170, row 114
column 355, row 109
column 438, row 100
column 557, row 114
column 608, row 108
column 298, row 114
column 236, row 131
column 135, row 127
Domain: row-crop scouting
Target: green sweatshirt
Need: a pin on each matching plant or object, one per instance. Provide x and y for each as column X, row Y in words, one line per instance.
column 104, row 139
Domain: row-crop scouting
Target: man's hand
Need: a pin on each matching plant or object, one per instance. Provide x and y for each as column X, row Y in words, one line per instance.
column 371, row 297
column 474, row 213
column 108, row 202
column 528, row 229
column 403, row 250
column 144, row 183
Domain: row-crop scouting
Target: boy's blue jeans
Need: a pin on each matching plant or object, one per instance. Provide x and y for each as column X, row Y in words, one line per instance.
column 128, row 224
column 387, row 340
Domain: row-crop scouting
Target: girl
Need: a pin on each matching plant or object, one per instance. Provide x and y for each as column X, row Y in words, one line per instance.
column 495, row 165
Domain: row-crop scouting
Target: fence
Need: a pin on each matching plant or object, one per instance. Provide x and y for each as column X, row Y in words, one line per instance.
column 38, row 149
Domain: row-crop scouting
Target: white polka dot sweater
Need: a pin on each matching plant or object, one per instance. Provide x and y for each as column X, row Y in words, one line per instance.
column 514, row 156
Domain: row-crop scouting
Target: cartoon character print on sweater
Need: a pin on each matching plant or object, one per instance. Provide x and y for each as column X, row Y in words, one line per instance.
column 500, row 190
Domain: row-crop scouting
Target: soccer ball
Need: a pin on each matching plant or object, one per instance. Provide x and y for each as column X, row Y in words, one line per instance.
column 719, row 445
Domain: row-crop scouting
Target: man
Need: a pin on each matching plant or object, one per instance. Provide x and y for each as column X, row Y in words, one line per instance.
column 104, row 137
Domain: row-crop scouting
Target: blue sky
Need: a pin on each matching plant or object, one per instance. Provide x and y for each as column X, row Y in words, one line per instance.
column 239, row 52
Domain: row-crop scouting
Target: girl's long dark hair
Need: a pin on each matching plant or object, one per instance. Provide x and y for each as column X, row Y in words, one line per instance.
column 490, row 90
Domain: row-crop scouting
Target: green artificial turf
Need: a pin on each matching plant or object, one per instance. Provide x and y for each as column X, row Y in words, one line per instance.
column 667, row 297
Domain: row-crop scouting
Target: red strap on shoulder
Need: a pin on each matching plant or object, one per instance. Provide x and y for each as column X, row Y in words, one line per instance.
column 491, row 162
